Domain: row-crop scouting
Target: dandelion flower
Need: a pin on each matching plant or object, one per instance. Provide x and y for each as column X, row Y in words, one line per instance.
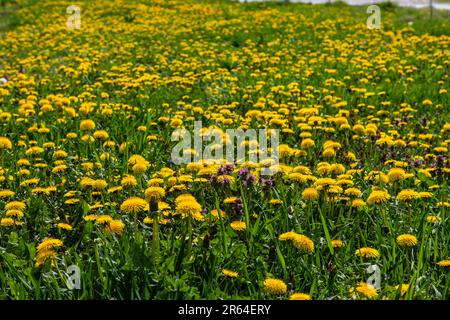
column 154, row 193
column 433, row 219
column 134, row 205
column 15, row 205
column 300, row 296
column 337, row 244
column 215, row 214
column 64, row 226
column 6, row 193
column 396, row 174
column 367, row 252
column 7, row 222
column 407, row 195
column 287, row 236
column 238, row 225
column 187, row 205
column 14, row 213
column 128, row 181
column 378, row 197
column 274, row 286
column 367, row 290
column 229, row 273
column 44, row 255
column 101, row 135
column 307, row 143
column 230, row 200
column 5, row 143
column 406, row 240
column 276, row 202
column 444, row 263
column 139, row 168
column 358, row 203
column 353, row 192
column 99, row 184
column 115, row 226
column 403, row 288
column 86, row 125
column 49, row 243
column 310, row 194
column 90, row 217
column 303, row 243
column 103, row 219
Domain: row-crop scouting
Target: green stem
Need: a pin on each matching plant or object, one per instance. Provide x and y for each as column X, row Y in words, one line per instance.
column 189, row 227
column 222, row 226
column 155, row 244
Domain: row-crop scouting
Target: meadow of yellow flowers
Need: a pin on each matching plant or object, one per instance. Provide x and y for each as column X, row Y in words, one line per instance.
column 92, row 204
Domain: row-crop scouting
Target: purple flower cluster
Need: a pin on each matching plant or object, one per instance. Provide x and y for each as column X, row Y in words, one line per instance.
column 237, row 207
column 226, row 169
column 266, row 183
column 223, row 172
column 247, row 178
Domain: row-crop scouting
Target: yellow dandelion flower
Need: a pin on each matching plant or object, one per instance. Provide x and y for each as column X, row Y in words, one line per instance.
column 310, row 194
column 274, row 286
column 14, row 213
column 353, row 192
column 367, row 290
column 378, row 197
column 148, row 220
column 64, row 226
column 229, row 273
column 15, row 205
column 230, row 200
column 49, row 243
column 407, row 195
column 300, row 296
column 189, row 207
column 276, row 202
column 367, row 252
column 303, row 243
column 134, row 205
column 238, row 225
column 154, row 193
column 406, row 240
column 86, row 125
column 433, row 219
column 128, row 181
column 5, row 143
column 396, row 174
column 140, row 168
column 99, row 184
column 215, row 214
column 6, row 193
column 287, row 236
column 115, row 227
column 101, row 135
column 337, row 244
column 358, row 203
column 443, row 263
column 103, row 219
column 90, row 217
column 44, row 255
column 403, row 288
column 7, row 222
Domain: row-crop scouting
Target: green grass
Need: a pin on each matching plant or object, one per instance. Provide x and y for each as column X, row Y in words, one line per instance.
column 148, row 63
